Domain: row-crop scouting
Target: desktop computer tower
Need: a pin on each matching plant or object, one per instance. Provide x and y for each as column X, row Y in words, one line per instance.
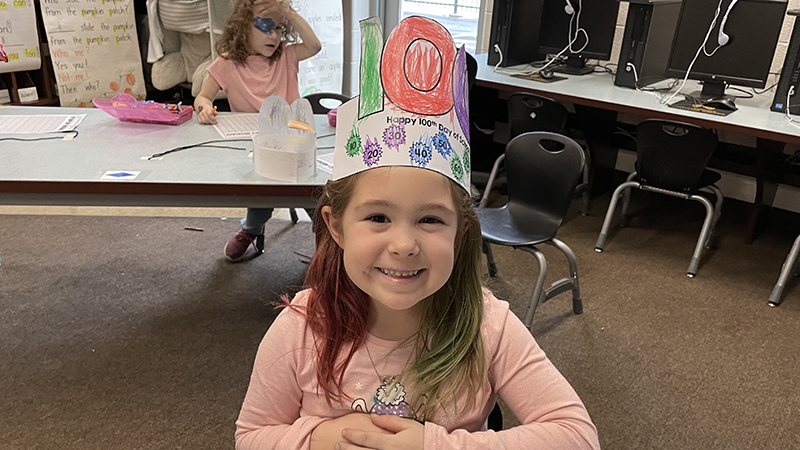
column 790, row 74
column 515, row 32
column 647, row 41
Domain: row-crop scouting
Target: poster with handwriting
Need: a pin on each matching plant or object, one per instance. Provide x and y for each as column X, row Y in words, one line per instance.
column 323, row 72
column 94, row 49
column 18, row 36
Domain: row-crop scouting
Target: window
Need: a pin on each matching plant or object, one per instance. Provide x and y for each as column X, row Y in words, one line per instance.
column 460, row 17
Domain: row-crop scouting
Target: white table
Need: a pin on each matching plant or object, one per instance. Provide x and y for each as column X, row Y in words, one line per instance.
column 597, row 90
column 60, row 172
column 753, row 118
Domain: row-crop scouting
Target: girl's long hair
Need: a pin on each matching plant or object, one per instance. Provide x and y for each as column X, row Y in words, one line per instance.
column 449, row 350
column 234, row 44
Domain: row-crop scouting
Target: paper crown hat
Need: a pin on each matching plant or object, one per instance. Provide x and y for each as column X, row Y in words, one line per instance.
column 412, row 109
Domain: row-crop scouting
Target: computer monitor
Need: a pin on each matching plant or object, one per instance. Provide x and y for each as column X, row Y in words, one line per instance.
column 752, row 27
column 597, row 17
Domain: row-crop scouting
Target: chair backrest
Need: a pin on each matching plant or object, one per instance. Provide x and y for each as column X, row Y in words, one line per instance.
column 318, row 107
column 542, row 169
column 530, row 112
column 472, row 70
column 672, row 155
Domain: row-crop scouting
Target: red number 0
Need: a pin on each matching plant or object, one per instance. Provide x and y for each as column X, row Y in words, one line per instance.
column 422, row 50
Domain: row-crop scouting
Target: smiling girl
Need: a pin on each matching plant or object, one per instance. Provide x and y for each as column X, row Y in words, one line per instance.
column 395, row 345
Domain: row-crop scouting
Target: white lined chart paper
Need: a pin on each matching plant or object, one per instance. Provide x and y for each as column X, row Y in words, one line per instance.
column 237, row 125
column 39, row 123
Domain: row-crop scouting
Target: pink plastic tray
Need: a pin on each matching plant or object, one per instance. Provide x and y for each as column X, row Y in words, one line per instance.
column 125, row 107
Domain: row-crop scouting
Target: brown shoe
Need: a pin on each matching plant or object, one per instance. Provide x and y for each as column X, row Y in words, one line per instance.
column 236, row 248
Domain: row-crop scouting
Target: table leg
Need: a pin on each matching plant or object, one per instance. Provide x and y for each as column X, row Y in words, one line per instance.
column 766, row 186
column 598, row 127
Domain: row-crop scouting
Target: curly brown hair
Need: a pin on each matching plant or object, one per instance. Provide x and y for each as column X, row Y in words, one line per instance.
column 235, row 41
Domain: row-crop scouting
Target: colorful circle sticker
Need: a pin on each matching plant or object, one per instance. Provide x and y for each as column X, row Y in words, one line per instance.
column 372, row 152
column 420, row 152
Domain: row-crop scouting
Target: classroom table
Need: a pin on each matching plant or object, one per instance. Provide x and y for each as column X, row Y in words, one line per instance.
column 68, row 172
column 597, row 90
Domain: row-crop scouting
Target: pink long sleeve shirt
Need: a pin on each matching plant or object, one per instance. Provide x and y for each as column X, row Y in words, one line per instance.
column 283, row 406
column 248, row 85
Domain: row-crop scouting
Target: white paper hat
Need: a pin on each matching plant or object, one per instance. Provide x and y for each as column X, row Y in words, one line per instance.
column 413, row 105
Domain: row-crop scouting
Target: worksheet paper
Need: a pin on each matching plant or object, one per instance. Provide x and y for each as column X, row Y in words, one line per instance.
column 237, row 125
column 39, row 123
column 325, row 162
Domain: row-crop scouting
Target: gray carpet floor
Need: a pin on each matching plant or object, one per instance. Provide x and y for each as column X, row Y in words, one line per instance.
column 133, row 333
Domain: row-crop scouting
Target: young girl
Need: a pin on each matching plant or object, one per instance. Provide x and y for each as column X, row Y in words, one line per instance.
column 258, row 59
column 395, row 345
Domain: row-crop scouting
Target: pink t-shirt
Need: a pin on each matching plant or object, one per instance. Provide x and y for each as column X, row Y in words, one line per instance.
column 283, row 406
column 248, row 85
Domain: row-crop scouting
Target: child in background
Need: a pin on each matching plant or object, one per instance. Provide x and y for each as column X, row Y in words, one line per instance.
column 259, row 57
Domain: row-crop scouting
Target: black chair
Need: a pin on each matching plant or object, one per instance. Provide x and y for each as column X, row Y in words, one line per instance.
column 789, row 266
column 318, row 107
column 530, row 112
column 542, row 169
column 484, row 109
column 495, row 420
column 671, row 159
column 472, row 70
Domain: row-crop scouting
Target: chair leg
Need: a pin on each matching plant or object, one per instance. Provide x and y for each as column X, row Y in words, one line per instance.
column 775, row 298
column 260, row 244
column 585, row 199
column 601, row 240
column 487, row 248
column 538, row 287
column 293, row 214
column 694, row 264
column 712, row 237
column 577, row 302
column 626, row 202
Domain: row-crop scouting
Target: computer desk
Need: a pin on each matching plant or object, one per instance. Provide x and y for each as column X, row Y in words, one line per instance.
column 597, row 90
column 61, row 172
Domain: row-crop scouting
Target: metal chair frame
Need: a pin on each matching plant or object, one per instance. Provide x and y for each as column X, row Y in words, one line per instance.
column 789, row 266
column 707, row 238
